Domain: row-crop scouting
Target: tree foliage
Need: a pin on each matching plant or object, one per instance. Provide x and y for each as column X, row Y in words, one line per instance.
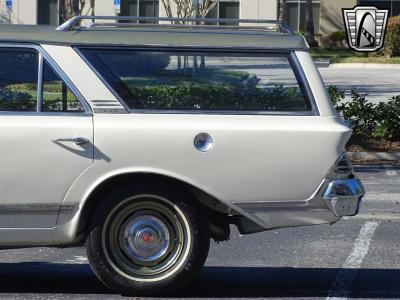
column 392, row 39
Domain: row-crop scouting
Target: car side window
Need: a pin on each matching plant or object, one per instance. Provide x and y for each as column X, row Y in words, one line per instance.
column 57, row 97
column 18, row 79
column 210, row 81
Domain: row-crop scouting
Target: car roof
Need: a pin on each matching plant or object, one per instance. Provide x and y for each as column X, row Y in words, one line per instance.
column 154, row 36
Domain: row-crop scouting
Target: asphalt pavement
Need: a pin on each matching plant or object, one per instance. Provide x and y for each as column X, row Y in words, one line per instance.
column 380, row 82
column 357, row 258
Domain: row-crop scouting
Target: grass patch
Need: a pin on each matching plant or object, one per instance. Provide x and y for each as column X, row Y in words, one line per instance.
column 351, row 56
column 369, row 60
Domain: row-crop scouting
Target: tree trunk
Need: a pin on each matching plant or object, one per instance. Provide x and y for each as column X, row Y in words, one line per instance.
column 309, row 30
column 179, row 62
column 75, row 8
column 92, row 7
column 203, row 62
column 283, row 11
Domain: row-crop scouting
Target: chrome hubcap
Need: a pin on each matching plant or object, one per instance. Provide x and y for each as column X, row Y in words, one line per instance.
column 146, row 238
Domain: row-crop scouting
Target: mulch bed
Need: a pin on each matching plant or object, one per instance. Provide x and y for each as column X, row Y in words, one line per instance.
column 356, row 144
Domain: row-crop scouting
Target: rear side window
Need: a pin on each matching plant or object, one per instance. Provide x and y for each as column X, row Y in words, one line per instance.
column 28, row 83
column 18, row 79
column 57, row 97
column 186, row 81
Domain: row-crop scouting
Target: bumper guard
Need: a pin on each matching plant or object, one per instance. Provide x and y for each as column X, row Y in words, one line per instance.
column 343, row 196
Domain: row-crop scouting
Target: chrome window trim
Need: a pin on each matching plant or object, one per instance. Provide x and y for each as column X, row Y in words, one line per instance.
column 43, row 55
column 39, row 101
column 290, row 54
column 44, row 113
column 223, row 112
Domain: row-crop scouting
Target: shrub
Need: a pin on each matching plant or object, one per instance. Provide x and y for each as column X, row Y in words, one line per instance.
column 12, row 100
column 388, row 119
column 392, row 39
column 369, row 121
column 335, row 40
column 360, row 112
column 336, row 95
column 338, row 36
column 220, row 96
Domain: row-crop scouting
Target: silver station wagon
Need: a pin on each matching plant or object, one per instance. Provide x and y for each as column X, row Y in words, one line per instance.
column 143, row 140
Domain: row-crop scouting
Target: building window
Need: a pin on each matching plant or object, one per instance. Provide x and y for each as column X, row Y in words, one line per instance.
column 225, row 9
column 140, row 8
column 393, row 6
column 47, row 12
column 297, row 14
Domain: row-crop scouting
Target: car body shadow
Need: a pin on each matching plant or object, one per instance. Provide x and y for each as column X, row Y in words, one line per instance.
column 213, row 282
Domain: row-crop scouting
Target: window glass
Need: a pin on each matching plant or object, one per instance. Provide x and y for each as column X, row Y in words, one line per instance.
column 129, row 8
column 18, row 79
column 316, row 16
column 141, row 8
column 200, row 81
column 224, row 10
column 213, row 13
column 56, row 95
column 148, row 8
column 396, row 8
column 228, row 10
column 47, row 12
column 293, row 16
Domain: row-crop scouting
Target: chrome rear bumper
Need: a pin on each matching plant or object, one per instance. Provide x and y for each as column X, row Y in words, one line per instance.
column 343, row 196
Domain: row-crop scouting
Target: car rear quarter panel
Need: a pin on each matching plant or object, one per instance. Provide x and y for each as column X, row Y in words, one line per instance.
column 255, row 158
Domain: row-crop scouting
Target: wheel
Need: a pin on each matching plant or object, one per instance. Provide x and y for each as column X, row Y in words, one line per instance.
column 146, row 240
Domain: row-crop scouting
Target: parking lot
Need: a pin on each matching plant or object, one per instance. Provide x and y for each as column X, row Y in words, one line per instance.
column 358, row 257
column 379, row 82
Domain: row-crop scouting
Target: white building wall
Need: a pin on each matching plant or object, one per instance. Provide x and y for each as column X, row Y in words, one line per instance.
column 23, row 12
column 258, row 9
column 105, row 8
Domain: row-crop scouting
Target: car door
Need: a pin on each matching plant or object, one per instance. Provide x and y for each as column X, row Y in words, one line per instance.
column 46, row 135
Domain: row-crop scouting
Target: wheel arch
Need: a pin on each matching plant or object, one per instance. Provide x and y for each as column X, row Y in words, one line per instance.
column 216, row 211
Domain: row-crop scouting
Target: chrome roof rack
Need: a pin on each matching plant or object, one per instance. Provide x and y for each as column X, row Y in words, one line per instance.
column 266, row 25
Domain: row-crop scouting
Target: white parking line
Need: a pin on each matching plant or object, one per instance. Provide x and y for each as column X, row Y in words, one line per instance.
column 342, row 283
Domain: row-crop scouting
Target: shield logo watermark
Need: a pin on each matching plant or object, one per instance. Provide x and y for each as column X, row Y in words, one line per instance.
column 365, row 27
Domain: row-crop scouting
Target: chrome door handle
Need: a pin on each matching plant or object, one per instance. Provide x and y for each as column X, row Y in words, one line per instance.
column 77, row 141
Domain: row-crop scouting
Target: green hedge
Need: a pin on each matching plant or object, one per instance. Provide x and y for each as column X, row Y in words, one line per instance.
column 376, row 121
column 17, row 101
column 220, row 97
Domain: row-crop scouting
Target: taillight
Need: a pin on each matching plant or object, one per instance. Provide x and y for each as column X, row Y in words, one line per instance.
column 343, row 164
column 342, row 169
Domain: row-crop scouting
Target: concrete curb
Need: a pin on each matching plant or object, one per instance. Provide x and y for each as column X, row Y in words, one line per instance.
column 364, row 66
column 374, row 155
